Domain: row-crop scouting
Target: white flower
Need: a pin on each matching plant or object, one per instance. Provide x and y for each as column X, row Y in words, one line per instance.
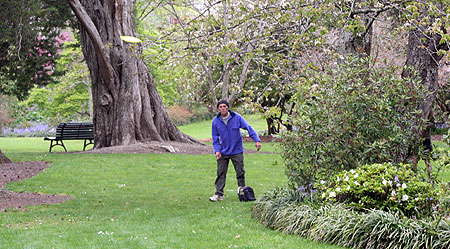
column 356, row 183
column 416, row 199
column 338, row 179
column 356, row 175
column 393, row 193
column 405, row 198
column 404, row 185
column 348, row 187
column 322, row 182
column 384, row 182
column 352, row 171
column 323, row 195
column 390, row 182
column 332, row 194
column 338, row 189
column 346, row 178
column 398, row 185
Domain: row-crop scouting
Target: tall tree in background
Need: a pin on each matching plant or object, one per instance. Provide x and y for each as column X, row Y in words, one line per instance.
column 127, row 106
column 424, row 53
column 29, row 33
column 355, row 38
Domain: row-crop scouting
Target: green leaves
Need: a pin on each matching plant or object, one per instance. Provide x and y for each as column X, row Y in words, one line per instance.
column 384, row 187
column 354, row 115
column 29, row 40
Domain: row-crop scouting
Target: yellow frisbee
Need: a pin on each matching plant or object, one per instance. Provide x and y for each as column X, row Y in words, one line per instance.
column 130, row 39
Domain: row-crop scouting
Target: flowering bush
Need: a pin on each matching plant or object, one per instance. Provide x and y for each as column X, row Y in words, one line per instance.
column 349, row 117
column 384, row 187
column 439, row 129
column 36, row 130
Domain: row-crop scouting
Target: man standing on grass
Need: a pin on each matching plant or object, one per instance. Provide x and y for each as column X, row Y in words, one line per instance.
column 227, row 142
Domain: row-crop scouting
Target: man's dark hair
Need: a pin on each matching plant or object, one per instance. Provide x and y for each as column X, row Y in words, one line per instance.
column 223, row 101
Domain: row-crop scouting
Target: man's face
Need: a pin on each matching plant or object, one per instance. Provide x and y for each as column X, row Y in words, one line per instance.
column 223, row 109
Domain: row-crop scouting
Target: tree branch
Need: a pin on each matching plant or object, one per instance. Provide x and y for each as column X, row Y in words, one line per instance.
column 96, row 40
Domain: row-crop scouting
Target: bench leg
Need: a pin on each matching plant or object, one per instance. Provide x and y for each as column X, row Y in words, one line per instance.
column 57, row 143
column 86, row 144
column 62, row 144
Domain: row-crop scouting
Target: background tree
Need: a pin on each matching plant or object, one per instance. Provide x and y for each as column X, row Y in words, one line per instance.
column 29, row 31
column 423, row 58
column 246, row 52
column 426, row 49
column 28, row 43
column 127, row 106
column 71, row 98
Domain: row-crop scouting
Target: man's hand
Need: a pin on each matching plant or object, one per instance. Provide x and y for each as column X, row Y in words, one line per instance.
column 258, row 145
column 218, row 155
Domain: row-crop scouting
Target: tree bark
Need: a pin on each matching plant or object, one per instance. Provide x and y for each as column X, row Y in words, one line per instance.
column 127, row 106
column 3, row 158
column 422, row 58
column 360, row 43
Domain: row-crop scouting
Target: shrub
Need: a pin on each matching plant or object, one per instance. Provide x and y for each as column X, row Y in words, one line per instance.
column 351, row 116
column 34, row 130
column 383, row 187
column 179, row 114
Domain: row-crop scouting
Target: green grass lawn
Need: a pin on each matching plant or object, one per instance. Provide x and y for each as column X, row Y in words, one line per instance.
column 139, row 201
column 202, row 130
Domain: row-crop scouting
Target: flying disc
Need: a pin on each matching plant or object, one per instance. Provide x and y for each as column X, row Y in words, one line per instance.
column 130, row 39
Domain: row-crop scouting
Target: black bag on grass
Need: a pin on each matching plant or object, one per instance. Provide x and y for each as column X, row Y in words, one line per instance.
column 246, row 193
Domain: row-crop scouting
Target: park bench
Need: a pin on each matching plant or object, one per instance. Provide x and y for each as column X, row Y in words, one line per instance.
column 72, row 131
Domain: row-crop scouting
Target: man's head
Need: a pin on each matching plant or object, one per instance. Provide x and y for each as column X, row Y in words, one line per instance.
column 222, row 107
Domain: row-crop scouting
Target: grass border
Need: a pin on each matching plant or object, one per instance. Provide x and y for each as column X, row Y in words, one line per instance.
column 282, row 210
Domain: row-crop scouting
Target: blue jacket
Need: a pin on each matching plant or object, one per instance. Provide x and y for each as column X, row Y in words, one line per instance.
column 227, row 138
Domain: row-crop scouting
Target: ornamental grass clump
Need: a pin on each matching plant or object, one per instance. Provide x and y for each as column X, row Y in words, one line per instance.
column 339, row 224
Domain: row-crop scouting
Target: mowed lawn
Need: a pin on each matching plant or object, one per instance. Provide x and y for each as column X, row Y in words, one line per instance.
column 139, row 201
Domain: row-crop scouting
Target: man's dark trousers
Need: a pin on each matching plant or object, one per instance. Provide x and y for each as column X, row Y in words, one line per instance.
column 222, row 168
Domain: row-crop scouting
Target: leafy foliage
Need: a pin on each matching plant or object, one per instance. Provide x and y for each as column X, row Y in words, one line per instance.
column 383, row 187
column 356, row 114
column 29, row 39
column 67, row 100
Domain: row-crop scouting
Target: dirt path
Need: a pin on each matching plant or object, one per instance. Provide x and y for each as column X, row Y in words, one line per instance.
column 16, row 171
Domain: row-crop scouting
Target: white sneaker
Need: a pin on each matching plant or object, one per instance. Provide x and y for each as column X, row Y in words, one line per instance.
column 216, row 198
column 239, row 190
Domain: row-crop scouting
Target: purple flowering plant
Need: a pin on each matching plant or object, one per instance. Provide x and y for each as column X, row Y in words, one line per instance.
column 36, row 130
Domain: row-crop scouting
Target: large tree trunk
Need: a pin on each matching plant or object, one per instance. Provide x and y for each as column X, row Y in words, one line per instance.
column 127, row 106
column 358, row 43
column 422, row 58
column 3, row 158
